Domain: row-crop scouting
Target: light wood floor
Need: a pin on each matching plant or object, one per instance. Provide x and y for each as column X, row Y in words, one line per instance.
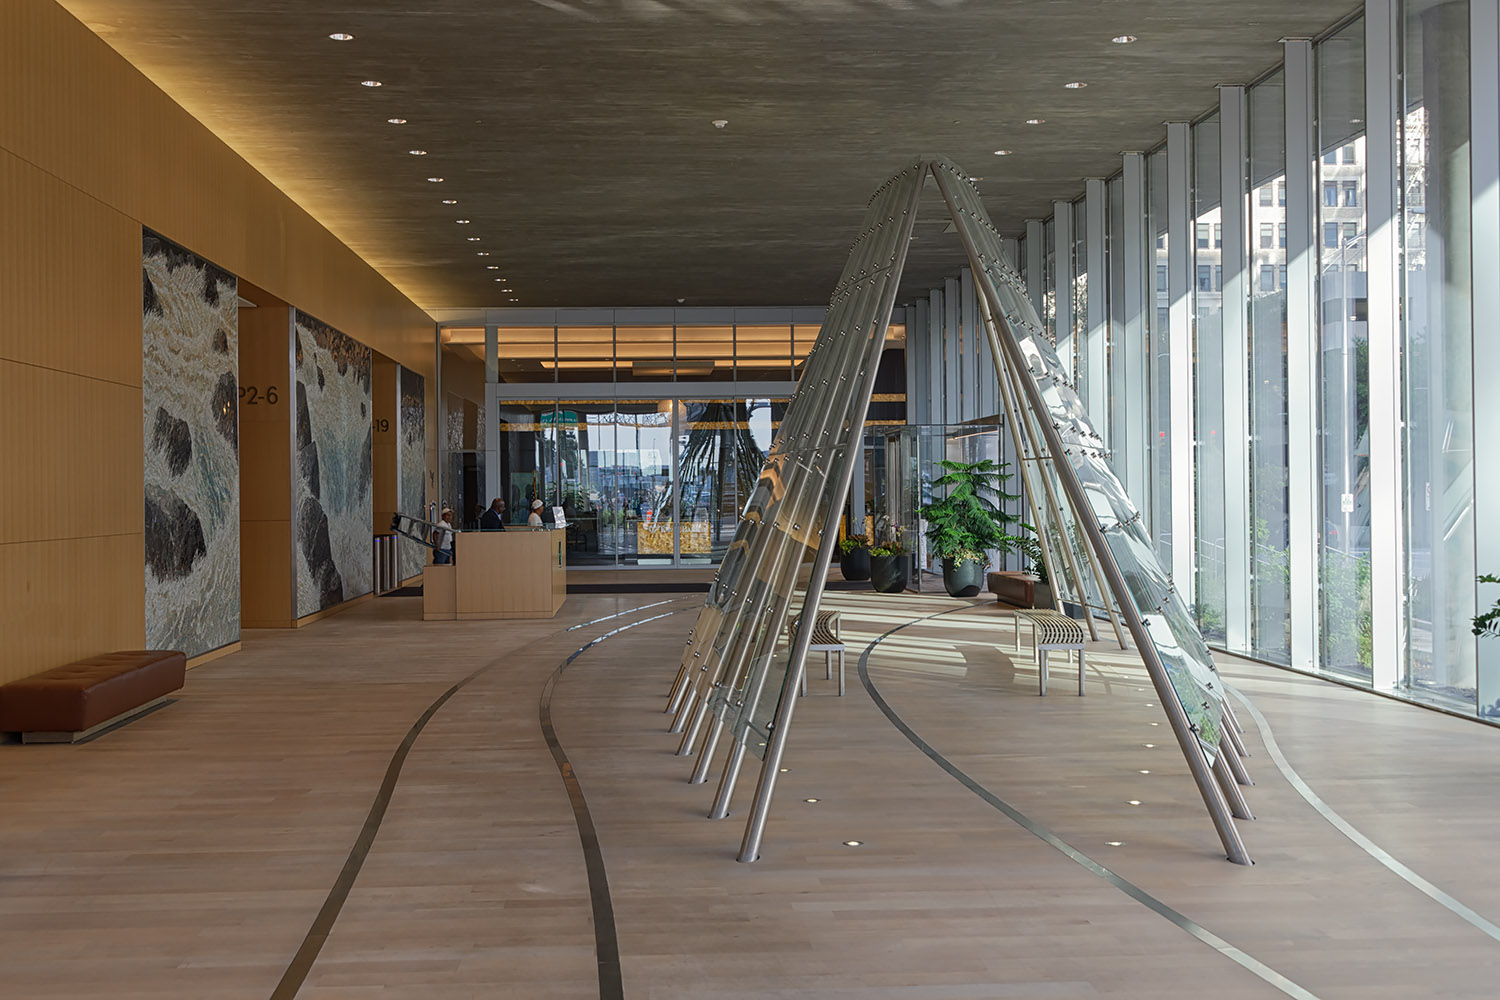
column 185, row 855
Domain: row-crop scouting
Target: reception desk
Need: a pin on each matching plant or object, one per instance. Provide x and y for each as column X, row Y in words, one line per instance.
column 517, row 573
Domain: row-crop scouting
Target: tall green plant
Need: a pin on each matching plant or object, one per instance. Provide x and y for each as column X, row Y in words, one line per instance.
column 971, row 520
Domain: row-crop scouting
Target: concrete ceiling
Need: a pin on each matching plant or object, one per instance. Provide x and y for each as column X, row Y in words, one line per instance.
column 577, row 135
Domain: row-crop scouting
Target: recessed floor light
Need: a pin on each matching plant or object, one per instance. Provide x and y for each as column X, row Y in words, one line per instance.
column 417, row 152
column 1123, row 39
column 396, row 121
column 1002, row 152
column 341, row 36
column 853, row 843
column 434, row 180
column 1075, row 85
column 1035, row 121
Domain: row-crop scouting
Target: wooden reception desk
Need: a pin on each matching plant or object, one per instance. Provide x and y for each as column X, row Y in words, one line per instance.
column 516, row 573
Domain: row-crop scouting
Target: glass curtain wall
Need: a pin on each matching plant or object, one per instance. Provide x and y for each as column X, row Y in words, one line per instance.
column 1343, row 355
column 1208, row 378
column 1080, row 319
column 1159, row 364
column 1439, row 440
column 1270, row 591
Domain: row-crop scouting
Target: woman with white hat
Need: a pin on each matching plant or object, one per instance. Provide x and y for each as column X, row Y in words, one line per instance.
column 534, row 519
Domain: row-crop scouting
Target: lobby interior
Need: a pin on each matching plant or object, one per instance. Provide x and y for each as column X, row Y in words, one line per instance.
column 277, row 273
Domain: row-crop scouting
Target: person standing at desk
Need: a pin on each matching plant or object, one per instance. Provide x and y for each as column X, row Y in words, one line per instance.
column 442, row 539
column 534, row 520
column 494, row 518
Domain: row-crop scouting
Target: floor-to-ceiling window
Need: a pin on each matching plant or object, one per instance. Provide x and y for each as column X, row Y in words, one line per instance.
column 1208, row 379
column 1269, row 503
column 1160, row 361
column 1080, row 298
column 1437, row 300
column 1343, row 354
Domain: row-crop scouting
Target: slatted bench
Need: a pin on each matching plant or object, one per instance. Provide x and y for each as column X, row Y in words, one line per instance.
column 825, row 640
column 1049, row 631
column 73, row 702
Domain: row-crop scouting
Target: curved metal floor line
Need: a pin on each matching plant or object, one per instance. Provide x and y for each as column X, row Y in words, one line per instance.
column 1364, row 843
column 622, row 614
column 317, row 935
column 1129, row 888
column 606, row 944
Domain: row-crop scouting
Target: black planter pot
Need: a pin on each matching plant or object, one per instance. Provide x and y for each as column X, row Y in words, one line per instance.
column 888, row 573
column 855, row 564
column 963, row 579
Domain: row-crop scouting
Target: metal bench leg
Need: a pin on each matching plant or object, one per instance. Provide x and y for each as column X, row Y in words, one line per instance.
column 1041, row 671
column 828, row 665
column 1080, row 673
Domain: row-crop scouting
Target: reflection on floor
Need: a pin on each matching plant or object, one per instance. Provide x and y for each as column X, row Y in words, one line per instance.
column 186, row 855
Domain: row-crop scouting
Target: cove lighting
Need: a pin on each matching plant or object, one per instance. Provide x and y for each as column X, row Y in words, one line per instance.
column 341, row 36
column 1075, row 85
column 369, row 83
column 1123, row 39
column 396, row 121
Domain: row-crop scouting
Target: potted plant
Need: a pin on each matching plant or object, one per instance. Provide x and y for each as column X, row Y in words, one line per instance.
column 888, row 562
column 854, row 557
column 968, row 523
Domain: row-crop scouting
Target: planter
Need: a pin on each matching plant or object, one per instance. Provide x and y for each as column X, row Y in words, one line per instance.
column 963, row 579
column 888, row 573
column 855, row 564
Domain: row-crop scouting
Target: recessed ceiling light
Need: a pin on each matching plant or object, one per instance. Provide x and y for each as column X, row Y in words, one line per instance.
column 1035, row 121
column 1123, row 39
column 462, row 222
column 506, row 289
column 1075, row 85
column 1156, row 723
column 493, row 267
column 341, row 36
column 1135, row 802
column 482, row 253
column 396, row 121
column 1115, row 843
column 1149, row 746
column 1002, row 152
column 450, row 201
column 369, row 83
column 809, row 800
column 784, row 770
column 975, row 180
column 853, row 843
column 497, row 266
column 434, row 180
column 720, row 122
column 515, row 300
column 417, row 152
column 475, row 239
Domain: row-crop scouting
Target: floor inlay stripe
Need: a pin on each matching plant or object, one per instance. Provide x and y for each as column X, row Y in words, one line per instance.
column 1364, row 843
column 317, row 935
column 606, row 942
column 1129, row 888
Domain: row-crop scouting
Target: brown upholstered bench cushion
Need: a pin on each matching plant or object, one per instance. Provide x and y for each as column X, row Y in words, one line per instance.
column 81, row 695
column 1014, row 588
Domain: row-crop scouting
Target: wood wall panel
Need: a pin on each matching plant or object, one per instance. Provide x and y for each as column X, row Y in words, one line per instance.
column 266, row 588
column 68, row 299
column 70, row 598
column 72, row 465
column 76, row 109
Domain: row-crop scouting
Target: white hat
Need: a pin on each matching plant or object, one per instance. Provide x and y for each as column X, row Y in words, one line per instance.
column 535, row 504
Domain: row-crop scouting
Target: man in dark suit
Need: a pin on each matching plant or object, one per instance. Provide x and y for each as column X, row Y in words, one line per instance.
column 494, row 518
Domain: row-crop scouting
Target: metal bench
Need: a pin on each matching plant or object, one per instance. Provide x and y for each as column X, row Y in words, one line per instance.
column 1049, row 631
column 825, row 640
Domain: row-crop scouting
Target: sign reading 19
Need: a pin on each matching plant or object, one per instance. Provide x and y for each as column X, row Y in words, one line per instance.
column 252, row 396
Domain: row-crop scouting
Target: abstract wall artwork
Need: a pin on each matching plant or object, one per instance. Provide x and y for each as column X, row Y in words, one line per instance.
column 411, row 460
column 332, row 539
column 190, row 413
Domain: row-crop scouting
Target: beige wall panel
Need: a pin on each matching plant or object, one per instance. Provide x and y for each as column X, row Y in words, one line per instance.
column 72, row 457
column 266, row 580
column 68, row 298
column 77, row 110
column 70, row 598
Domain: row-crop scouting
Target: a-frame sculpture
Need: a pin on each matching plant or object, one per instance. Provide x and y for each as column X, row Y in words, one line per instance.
column 741, row 667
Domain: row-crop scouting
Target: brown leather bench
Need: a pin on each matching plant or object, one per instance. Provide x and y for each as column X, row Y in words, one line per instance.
column 1016, row 589
column 69, row 703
